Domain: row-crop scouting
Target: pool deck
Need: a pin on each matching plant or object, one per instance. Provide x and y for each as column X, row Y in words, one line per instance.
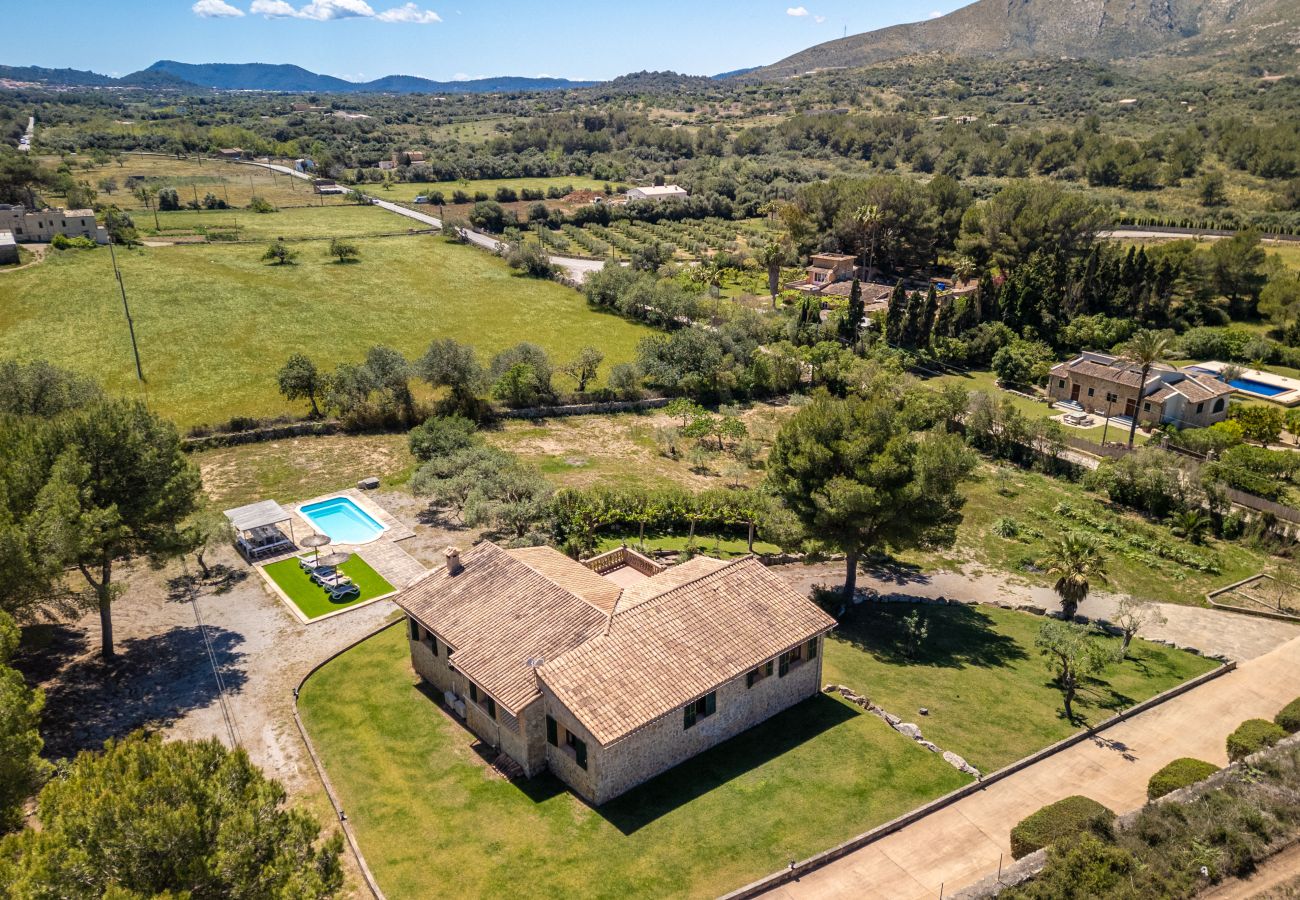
column 1289, row 388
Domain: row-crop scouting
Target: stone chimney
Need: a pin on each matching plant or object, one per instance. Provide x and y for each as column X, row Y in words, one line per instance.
column 453, row 561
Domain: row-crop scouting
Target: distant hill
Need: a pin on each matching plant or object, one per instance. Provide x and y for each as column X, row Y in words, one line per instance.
column 75, row 77
column 295, row 79
column 1104, row 29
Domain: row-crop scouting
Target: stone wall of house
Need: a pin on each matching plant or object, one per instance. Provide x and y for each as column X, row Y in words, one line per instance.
column 1096, row 402
column 560, row 760
column 665, row 743
column 433, row 669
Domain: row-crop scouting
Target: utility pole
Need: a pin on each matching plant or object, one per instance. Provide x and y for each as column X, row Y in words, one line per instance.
column 126, row 308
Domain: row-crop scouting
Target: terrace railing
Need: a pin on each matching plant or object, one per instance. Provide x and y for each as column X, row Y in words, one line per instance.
column 623, row 558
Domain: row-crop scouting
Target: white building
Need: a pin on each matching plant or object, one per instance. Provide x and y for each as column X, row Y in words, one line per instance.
column 41, row 225
column 8, row 248
column 658, row 192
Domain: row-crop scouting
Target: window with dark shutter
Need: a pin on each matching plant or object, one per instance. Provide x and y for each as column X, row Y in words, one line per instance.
column 688, row 715
column 767, row 668
column 750, row 678
column 784, row 668
column 473, row 692
column 415, row 629
column 580, row 753
column 812, row 649
column 552, row 732
column 710, row 703
column 490, row 705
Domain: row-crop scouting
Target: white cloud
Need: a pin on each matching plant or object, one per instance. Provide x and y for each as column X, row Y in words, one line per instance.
column 328, row 10
column 796, row 11
column 325, row 10
column 273, row 9
column 216, row 9
column 409, row 13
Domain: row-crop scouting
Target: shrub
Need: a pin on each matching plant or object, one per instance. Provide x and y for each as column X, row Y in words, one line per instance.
column 1179, row 774
column 1252, row 736
column 1057, row 821
column 1289, row 718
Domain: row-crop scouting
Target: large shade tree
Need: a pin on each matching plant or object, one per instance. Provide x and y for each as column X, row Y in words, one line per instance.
column 859, row 478
column 86, row 490
column 146, row 818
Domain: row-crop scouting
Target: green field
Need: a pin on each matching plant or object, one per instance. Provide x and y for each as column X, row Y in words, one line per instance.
column 215, row 323
column 427, row 810
column 985, row 685
column 292, row 223
column 410, row 190
column 312, row 599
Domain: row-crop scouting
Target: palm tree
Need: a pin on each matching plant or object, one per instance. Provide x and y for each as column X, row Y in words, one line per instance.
column 771, row 257
column 1190, row 524
column 870, row 219
column 963, row 269
column 1074, row 558
column 1144, row 349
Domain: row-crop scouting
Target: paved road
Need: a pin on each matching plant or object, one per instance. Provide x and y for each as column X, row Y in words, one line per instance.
column 577, row 269
column 963, row 843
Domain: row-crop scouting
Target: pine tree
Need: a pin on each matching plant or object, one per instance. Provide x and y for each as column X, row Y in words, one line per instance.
column 945, row 321
column 986, row 301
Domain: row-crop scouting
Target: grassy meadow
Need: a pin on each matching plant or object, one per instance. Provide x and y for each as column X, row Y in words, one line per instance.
column 215, row 323
column 408, row 191
column 291, row 223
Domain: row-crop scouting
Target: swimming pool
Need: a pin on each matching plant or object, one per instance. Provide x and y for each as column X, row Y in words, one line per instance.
column 342, row 520
column 1256, row 387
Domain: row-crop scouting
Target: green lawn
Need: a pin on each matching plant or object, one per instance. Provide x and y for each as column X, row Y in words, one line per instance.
column 1032, row 502
column 312, row 599
column 430, row 816
column 289, row 223
column 978, row 673
column 215, row 323
column 409, row 190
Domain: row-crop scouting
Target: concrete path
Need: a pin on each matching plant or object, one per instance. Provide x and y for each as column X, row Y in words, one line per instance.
column 963, row 843
column 1211, row 631
column 576, row 269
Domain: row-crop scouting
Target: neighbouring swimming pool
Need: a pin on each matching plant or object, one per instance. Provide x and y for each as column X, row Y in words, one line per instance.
column 342, row 521
column 1256, row 387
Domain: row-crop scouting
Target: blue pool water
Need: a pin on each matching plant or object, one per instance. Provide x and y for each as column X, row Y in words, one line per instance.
column 342, row 520
column 1256, row 387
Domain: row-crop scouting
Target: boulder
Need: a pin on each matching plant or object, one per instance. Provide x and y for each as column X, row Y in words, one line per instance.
column 907, row 728
column 929, row 745
column 892, row 719
column 368, row 484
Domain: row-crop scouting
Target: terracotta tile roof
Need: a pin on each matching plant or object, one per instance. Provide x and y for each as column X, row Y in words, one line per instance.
column 497, row 614
column 1113, row 374
column 570, row 574
column 1198, row 388
column 659, row 655
column 665, row 581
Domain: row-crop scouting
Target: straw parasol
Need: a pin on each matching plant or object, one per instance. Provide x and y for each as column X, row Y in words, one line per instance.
column 337, row 558
column 315, row 542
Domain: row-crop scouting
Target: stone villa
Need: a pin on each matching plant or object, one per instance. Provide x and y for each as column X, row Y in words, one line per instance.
column 1101, row 383
column 41, row 225
column 610, row 672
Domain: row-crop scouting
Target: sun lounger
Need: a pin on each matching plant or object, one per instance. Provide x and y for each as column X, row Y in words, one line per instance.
column 344, row 591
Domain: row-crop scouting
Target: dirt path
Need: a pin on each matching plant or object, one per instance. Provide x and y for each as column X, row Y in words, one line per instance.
column 38, row 252
column 1212, row 632
column 1276, row 879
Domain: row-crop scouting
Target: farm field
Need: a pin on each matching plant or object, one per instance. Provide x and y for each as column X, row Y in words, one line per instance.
column 233, row 182
column 295, row 223
column 215, row 323
column 409, row 190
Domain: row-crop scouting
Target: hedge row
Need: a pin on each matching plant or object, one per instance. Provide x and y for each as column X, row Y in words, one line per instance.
column 1179, row 774
column 1058, row 821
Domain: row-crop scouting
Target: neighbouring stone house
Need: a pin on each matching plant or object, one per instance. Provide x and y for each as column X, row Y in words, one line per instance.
column 41, row 225
column 610, row 672
column 8, row 248
column 1101, row 383
column 828, row 268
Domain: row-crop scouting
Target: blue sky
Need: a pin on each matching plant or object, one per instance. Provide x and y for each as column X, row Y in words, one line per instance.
column 442, row 39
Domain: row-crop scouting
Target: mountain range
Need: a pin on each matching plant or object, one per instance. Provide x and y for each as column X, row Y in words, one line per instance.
column 1101, row 29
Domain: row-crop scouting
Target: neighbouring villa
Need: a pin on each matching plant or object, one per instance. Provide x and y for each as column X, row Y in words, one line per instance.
column 610, row 672
column 658, row 192
column 1108, row 385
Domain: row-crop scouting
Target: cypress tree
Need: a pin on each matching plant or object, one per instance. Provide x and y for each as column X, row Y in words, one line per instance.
column 852, row 321
column 946, row 320
column 896, row 316
column 986, row 300
column 929, row 312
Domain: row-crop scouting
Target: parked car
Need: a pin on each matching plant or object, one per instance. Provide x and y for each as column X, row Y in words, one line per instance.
column 422, row 199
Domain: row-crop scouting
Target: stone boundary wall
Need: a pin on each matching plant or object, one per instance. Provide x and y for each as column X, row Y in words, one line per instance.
column 257, row 435
column 584, row 409
column 796, row 870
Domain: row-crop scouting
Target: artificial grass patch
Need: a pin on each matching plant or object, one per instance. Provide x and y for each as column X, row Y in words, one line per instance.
column 312, row 599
